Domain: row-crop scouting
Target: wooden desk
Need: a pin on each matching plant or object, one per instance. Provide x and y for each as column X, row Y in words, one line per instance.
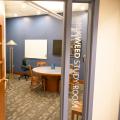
column 52, row 77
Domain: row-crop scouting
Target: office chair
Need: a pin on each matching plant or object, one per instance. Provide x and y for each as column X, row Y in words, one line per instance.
column 25, row 69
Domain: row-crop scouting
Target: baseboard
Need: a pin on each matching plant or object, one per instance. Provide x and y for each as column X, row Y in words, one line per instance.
column 17, row 73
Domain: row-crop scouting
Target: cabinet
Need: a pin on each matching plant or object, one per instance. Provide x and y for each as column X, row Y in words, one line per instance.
column 2, row 70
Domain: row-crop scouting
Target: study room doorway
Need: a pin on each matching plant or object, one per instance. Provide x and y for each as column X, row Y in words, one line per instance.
column 49, row 84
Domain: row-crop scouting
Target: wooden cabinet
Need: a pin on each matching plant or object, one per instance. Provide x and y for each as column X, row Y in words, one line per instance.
column 2, row 70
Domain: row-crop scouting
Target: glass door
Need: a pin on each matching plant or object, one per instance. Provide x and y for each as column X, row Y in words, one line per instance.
column 78, row 47
column 76, row 59
column 71, row 83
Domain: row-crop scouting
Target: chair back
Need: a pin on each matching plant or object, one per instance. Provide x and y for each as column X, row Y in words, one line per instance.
column 25, row 62
column 41, row 63
column 71, row 81
column 30, row 71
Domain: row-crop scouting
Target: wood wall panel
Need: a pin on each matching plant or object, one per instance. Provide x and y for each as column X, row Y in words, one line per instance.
column 2, row 105
column 2, row 70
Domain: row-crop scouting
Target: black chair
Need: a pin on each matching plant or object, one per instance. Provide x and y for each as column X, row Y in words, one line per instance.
column 25, row 69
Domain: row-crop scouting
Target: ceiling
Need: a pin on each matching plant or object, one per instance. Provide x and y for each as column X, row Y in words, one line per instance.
column 21, row 8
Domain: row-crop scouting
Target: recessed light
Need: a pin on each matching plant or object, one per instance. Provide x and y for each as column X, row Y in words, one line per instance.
column 15, row 15
column 38, row 12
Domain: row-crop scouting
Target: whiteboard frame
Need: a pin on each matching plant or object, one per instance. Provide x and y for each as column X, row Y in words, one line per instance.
column 35, row 56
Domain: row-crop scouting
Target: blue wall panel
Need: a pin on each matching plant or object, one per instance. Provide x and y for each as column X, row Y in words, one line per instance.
column 35, row 27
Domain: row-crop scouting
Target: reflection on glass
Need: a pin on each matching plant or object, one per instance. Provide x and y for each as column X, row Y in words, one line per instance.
column 77, row 61
column 36, row 95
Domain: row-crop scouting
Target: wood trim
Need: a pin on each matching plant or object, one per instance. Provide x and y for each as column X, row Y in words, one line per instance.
column 3, row 79
column 2, row 70
column 1, row 62
column 18, row 73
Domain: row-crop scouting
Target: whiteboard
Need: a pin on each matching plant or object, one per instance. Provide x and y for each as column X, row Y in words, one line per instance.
column 36, row 48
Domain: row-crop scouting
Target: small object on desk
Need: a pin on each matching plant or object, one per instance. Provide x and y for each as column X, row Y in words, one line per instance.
column 52, row 66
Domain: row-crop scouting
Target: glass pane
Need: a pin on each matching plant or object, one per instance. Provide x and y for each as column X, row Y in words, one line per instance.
column 77, row 59
column 34, row 90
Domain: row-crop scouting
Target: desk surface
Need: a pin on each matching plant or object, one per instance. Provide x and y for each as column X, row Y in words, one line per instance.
column 47, row 70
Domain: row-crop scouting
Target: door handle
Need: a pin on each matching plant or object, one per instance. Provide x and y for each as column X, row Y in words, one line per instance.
column 6, row 81
column 84, row 58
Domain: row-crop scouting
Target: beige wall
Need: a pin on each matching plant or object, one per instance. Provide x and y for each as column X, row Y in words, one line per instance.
column 107, row 73
column 1, row 7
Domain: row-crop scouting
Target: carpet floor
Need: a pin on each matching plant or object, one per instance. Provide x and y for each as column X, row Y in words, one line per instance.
column 26, row 104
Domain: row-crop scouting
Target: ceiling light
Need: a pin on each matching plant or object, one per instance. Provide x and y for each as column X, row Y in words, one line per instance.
column 15, row 15
column 83, row 8
column 38, row 12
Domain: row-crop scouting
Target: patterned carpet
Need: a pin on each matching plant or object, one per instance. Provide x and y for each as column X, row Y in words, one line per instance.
column 26, row 104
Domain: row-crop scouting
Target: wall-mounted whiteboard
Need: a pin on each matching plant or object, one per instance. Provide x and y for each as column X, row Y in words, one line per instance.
column 36, row 48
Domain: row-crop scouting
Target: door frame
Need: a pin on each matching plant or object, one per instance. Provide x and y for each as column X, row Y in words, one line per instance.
column 90, row 60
